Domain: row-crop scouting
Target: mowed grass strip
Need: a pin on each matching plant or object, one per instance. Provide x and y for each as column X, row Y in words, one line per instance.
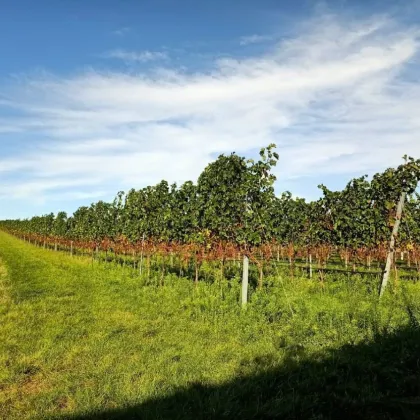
column 77, row 336
column 87, row 340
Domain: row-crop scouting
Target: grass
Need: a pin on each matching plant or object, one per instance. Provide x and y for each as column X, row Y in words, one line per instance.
column 84, row 340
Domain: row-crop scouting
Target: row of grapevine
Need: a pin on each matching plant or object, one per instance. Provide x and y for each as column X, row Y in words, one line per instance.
column 232, row 210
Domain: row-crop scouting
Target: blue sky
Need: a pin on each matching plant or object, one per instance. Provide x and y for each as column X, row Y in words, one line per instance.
column 101, row 96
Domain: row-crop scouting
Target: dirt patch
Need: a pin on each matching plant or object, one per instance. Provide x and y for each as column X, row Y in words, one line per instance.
column 65, row 403
column 32, row 385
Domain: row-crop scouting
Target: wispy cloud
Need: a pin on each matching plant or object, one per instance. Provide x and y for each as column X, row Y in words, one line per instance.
column 340, row 97
column 133, row 56
column 122, row 31
column 254, row 39
column 77, row 195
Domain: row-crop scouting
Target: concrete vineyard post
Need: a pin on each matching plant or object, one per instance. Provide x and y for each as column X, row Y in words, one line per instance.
column 245, row 273
column 196, row 272
column 310, row 265
column 141, row 256
column 391, row 249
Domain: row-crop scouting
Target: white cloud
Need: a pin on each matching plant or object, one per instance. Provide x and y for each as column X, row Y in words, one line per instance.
column 122, row 31
column 341, row 97
column 133, row 56
column 254, row 39
column 38, row 187
column 77, row 195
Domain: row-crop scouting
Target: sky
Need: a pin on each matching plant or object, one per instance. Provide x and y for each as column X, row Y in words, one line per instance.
column 99, row 96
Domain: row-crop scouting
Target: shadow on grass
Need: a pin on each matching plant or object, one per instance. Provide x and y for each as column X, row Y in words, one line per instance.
column 376, row 380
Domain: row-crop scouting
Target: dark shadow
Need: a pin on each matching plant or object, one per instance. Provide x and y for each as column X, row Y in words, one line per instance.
column 376, row 380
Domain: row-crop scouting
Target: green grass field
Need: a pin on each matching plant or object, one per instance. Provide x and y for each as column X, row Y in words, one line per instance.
column 83, row 340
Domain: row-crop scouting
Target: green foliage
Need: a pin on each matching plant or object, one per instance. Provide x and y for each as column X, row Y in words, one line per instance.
column 234, row 202
column 235, row 197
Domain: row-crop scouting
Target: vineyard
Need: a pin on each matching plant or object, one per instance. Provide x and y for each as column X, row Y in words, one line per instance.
column 204, row 230
column 130, row 309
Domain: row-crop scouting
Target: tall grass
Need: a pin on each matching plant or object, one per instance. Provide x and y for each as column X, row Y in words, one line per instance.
column 78, row 337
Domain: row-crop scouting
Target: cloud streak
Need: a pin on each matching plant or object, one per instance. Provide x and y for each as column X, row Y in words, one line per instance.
column 254, row 39
column 122, row 31
column 133, row 56
column 340, row 97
